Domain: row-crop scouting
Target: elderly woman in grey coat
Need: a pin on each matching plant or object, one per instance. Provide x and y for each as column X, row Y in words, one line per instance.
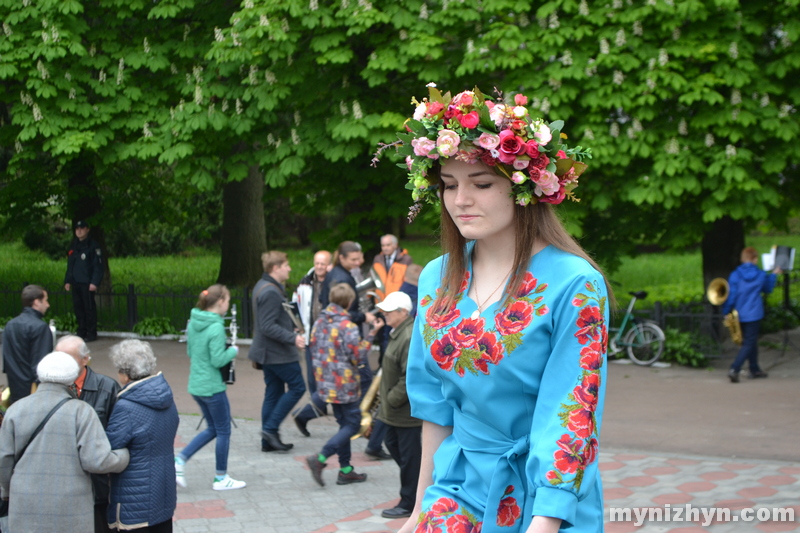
column 49, row 485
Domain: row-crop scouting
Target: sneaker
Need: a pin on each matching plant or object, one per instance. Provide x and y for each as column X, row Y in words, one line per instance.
column 733, row 375
column 352, row 477
column 180, row 478
column 228, row 483
column 316, row 469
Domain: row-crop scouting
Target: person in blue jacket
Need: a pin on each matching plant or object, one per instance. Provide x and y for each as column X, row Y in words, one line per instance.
column 145, row 420
column 747, row 283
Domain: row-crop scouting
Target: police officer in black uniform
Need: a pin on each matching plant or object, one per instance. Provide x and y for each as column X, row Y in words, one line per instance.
column 84, row 274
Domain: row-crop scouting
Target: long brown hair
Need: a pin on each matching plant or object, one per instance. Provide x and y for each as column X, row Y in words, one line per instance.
column 531, row 223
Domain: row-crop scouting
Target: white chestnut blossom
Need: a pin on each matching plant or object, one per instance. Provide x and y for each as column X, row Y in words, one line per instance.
column 45, row 36
column 583, row 9
column 285, row 25
column 637, row 29
column 263, row 21
column 637, row 125
column 239, row 107
column 197, row 72
column 18, row 146
column 146, row 45
column 553, row 22
column 102, row 76
column 43, row 72
column 470, row 46
column 224, row 106
column 735, row 114
column 709, row 140
column 591, row 68
column 357, row 113
column 365, row 5
column 676, row 34
column 252, row 76
column 198, row 95
column 270, row 77
column 297, row 118
column 248, row 4
column 733, row 50
column 92, row 51
column 589, row 134
column 650, row 83
column 37, row 113
column 26, row 98
column 120, row 71
column 603, row 46
column 403, row 35
column 554, row 84
column 146, row 130
column 218, row 36
column 736, row 97
column 730, row 151
column 524, row 21
column 270, row 139
column 764, row 100
column 620, row 38
column 186, row 30
column 7, row 30
column 295, row 137
column 545, row 106
column 72, row 93
column 566, row 58
column 617, row 4
column 683, row 128
column 343, row 109
column 672, row 146
column 619, row 77
column 785, row 110
column 613, row 130
column 345, row 4
column 423, row 12
column 181, row 103
column 663, row 57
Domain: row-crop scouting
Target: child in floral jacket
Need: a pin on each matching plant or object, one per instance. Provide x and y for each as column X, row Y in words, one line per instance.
column 336, row 353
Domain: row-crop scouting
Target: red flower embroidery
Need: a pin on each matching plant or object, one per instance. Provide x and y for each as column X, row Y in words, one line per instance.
column 445, row 352
column 552, row 475
column 467, row 332
column 590, row 323
column 439, row 321
column 508, row 512
column 491, row 349
column 581, row 421
column 461, row 524
column 528, row 285
column 444, row 506
column 514, row 318
column 568, row 457
column 429, row 523
column 592, row 356
column 590, row 452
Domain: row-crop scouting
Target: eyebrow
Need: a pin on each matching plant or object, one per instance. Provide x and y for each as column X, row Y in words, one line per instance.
column 470, row 175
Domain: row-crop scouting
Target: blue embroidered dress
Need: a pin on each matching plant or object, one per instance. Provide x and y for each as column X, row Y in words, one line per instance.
column 522, row 386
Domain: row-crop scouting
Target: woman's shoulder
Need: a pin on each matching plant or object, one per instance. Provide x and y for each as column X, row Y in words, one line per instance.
column 563, row 262
column 433, row 271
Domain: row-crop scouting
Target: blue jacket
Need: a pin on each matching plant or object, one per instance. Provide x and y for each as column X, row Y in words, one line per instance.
column 747, row 283
column 144, row 420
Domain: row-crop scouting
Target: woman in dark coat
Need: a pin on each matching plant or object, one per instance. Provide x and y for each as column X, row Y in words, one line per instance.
column 145, row 420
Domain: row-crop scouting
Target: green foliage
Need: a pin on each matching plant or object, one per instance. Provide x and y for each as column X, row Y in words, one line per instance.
column 66, row 322
column 4, row 320
column 778, row 318
column 154, row 326
column 681, row 347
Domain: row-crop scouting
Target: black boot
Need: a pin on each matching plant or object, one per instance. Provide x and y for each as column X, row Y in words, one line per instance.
column 274, row 442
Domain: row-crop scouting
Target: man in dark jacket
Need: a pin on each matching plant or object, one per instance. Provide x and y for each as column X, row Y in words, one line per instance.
column 100, row 392
column 26, row 340
column 746, row 284
column 404, row 436
column 84, row 274
column 275, row 347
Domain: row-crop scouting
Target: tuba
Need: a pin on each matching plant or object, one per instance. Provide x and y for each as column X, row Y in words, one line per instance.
column 369, row 407
column 717, row 292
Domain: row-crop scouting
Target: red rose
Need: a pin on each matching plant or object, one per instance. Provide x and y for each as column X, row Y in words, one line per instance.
column 510, row 145
column 520, row 99
column 452, row 112
column 568, row 457
column 592, row 356
column 527, row 286
column 508, row 512
column 556, row 198
column 488, row 159
column 444, row 506
column 541, row 161
column 445, row 352
column 514, row 318
column 491, row 350
column 467, row 332
column 518, row 125
column 532, row 149
column 439, row 321
column 561, row 155
column 470, row 120
column 590, row 322
column 434, row 108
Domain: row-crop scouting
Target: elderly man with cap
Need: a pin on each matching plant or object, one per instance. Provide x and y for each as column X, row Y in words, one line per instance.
column 84, row 274
column 49, row 445
column 100, row 392
column 404, row 434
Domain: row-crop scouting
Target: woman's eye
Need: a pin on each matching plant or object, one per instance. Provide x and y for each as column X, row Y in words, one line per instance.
column 483, row 185
column 449, row 187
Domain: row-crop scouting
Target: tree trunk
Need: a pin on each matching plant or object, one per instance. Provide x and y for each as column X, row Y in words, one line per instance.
column 722, row 246
column 244, row 235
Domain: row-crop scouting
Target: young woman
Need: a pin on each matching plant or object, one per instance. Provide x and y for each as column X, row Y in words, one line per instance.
column 206, row 345
column 507, row 359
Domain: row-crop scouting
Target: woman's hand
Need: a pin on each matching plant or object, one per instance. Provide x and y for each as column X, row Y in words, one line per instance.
column 544, row 524
column 410, row 524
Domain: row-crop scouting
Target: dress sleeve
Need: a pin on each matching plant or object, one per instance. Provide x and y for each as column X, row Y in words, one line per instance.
column 424, row 387
column 562, row 462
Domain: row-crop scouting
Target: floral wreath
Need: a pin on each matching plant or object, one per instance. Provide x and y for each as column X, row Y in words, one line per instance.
column 471, row 128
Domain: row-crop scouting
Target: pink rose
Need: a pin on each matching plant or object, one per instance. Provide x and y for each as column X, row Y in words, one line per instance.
column 546, row 184
column 554, row 199
column 423, row 147
column 518, row 177
column 498, row 113
column 464, row 98
column 532, row 149
column 520, row 99
column 470, row 120
column 419, row 112
column 447, row 143
column 541, row 161
column 409, row 159
column 542, row 134
column 561, row 154
column 520, row 164
column 510, row 146
column 434, row 108
column 489, row 141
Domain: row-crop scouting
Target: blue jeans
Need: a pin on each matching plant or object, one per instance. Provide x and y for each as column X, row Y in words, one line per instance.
column 217, row 412
column 277, row 400
column 749, row 349
column 348, row 416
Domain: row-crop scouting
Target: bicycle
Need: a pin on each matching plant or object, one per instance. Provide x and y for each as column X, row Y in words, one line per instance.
column 643, row 340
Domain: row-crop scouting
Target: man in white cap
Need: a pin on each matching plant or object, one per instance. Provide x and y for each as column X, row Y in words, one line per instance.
column 404, row 436
column 70, row 445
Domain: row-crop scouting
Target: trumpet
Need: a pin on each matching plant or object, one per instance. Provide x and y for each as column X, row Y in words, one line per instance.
column 717, row 293
column 369, row 407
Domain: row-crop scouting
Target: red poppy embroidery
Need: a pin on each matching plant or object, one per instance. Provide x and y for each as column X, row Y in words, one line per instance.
column 460, row 523
column 429, row 523
column 592, row 357
column 590, row 452
column 444, row 506
column 491, row 349
column 508, row 512
column 445, row 352
column 514, row 318
column 467, row 332
column 439, row 321
column 568, row 457
column 527, row 286
column 581, row 420
column 590, row 323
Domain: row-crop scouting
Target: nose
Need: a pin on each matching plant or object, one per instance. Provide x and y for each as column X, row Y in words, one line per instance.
column 463, row 198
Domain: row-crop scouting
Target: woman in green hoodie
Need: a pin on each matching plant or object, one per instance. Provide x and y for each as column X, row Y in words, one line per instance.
column 206, row 345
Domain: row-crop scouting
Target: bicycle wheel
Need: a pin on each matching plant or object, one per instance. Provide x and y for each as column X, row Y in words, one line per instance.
column 645, row 343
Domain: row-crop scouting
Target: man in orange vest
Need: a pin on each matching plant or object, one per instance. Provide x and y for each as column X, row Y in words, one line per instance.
column 390, row 265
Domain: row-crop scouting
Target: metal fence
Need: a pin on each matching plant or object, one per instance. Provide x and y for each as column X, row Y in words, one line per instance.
column 121, row 308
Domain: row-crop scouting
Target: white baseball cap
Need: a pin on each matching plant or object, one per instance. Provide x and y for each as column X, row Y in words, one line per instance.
column 394, row 301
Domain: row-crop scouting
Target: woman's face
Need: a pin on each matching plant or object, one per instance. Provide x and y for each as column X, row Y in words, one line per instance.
column 224, row 304
column 350, row 261
column 477, row 199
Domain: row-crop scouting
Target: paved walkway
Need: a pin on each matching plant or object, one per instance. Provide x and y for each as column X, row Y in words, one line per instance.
column 671, row 436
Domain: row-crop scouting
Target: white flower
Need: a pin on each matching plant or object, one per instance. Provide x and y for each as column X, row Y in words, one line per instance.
column 730, row 151
column 263, row 21
column 545, row 106
column 470, row 46
column 37, row 113
column 619, row 77
column 238, row 107
column 785, row 110
column 26, row 98
column 68, row 76
column 18, row 146
column 603, row 46
column 248, row 4
column 733, row 50
column 663, row 57
column 403, row 35
column 591, row 68
column 683, row 128
column 198, row 95
column 735, row 114
column 554, row 84
column 709, row 140
column 345, row 4
column 180, row 105
column 224, row 105
column 72, row 94
column 146, row 45
column 676, row 34
column 295, row 137
column 285, row 25
column 620, row 39
column 297, row 118
column 589, row 134
column 120, row 71
column 346, row 83
column 43, row 72
column 252, row 75
column 344, row 110
column 672, row 146
column 617, row 4
column 630, row 132
column 92, row 51
column 357, row 114
column 218, row 36
column 497, row 114
column 45, row 36
column 637, row 29
column 270, row 139
column 146, row 130
column 583, row 9
column 566, row 58
column 186, row 30
column 423, row 12
column 553, row 22
column 524, row 21
column 637, row 126
column 313, row 5
column 764, row 100
column 520, row 111
column 365, row 4
column 270, row 77
column 7, row 30
column 736, row 97
column 543, row 134
column 197, row 71
column 613, row 130
column 542, row 23
column 102, row 76
column 650, row 83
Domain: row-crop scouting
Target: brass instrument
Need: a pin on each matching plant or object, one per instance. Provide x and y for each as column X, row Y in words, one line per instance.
column 717, row 293
column 5, row 399
column 369, row 407
column 365, row 291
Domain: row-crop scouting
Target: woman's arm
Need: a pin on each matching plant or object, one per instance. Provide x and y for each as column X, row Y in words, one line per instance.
column 544, row 524
column 432, row 437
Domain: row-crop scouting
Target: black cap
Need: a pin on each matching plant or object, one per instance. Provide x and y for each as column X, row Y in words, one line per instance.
column 81, row 224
